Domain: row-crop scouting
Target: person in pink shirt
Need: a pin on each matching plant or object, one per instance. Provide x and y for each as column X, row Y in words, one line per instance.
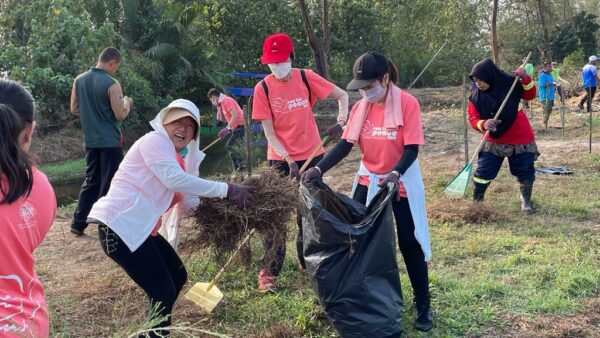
column 27, row 209
column 283, row 103
column 233, row 114
column 386, row 125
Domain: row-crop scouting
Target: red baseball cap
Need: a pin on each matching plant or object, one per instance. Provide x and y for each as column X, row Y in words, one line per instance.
column 277, row 48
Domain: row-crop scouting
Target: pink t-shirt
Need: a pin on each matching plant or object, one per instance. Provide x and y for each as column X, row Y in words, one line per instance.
column 381, row 149
column 23, row 225
column 291, row 113
column 227, row 106
column 177, row 197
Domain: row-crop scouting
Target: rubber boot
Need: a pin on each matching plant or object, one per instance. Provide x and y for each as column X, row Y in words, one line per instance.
column 479, row 191
column 526, row 188
column 424, row 320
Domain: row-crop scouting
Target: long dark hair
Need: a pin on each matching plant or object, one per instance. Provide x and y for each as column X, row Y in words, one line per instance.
column 16, row 113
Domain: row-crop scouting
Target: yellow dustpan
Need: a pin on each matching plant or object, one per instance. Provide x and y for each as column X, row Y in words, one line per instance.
column 208, row 295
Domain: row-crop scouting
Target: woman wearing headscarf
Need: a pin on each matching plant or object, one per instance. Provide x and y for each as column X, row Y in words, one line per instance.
column 510, row 136
column 386, row 125
column 154, row 177
column 27, row 209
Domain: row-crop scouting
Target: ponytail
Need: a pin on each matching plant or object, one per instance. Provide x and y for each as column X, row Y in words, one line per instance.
column 393, row 72
column 16, row 112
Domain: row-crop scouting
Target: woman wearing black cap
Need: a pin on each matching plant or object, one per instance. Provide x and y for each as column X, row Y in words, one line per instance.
column 386, row 124
column 510, row 135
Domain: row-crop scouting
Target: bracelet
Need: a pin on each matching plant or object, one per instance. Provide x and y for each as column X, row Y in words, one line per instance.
column 319, row 169
column 397, row 173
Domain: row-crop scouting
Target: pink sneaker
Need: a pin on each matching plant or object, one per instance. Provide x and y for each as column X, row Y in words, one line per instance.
column 266, row 282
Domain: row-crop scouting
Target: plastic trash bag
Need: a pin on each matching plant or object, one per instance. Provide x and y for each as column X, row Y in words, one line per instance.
column 350, row 255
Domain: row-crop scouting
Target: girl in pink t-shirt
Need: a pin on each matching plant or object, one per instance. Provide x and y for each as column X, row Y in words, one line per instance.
column 27, row 209
column 283, row 103
column 386, row 125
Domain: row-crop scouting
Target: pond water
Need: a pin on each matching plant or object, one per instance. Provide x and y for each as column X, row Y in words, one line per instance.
column 217, row 161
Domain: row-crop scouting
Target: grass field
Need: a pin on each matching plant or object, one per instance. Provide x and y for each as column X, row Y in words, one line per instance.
column 494, row 271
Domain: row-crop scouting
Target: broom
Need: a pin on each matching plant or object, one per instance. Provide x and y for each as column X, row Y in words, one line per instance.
column 458, row 185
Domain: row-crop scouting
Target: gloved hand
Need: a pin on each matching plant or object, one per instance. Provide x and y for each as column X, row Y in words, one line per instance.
column 491, row 124
column 294, row 170
column 311, row 174
column 224, row 133
column 333, row 131
column 240, row 195
column 389, row 178
column 521, row 72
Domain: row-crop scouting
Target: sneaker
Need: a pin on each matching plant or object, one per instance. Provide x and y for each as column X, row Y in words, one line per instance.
column 77, row 232
column 266, row 282
column 424, row 320
column 580, row 107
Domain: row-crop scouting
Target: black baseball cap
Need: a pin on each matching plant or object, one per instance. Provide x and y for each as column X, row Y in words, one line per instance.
column 367, row 68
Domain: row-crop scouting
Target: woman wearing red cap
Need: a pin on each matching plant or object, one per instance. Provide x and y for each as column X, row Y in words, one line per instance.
column 386, row 125
column 283, row 101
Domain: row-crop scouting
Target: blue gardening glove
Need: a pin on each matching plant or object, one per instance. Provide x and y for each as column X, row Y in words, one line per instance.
column 294, row 170
column 392, row 177
column 333, row 131
column 311, row 174
column 224, row 133
column 240, row 195
column 491, row 124
column 520, row 72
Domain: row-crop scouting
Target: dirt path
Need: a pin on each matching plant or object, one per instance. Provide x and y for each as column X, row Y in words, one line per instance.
column 91, row 296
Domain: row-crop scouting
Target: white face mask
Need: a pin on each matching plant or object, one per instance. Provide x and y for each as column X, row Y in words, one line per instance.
column 372, row 94
column 280, row 70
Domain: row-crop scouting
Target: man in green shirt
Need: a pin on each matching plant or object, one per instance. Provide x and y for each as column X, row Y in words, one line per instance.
column 98, row 100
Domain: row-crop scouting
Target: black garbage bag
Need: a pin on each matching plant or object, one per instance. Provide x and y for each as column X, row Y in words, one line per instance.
column 350, row 255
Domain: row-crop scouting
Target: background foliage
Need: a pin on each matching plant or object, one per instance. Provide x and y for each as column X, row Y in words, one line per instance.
column 181, row 48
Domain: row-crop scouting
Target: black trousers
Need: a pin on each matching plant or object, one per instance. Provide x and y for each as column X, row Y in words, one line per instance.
column 154, row 266
column 102, row 164
column 277, row 263
column 414, row 259
column 588, row 97
column 234, row 147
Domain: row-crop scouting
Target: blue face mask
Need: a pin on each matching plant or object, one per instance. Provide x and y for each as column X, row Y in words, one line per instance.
column 372, row 94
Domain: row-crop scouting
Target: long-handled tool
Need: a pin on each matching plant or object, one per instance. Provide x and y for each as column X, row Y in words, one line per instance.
column 208, row 295
column 211, row 144
column 458, row 186
column 427, row 65
column 312, row 155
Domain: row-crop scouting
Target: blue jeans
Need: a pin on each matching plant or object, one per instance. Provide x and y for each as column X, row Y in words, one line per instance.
column 521, row 166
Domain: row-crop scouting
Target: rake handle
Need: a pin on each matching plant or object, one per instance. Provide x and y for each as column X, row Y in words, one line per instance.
column 487, row 132
column 312, row 155
column 211, row 144
column 235, row 253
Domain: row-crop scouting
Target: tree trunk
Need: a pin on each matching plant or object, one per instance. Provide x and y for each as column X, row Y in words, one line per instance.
column 545, row 50
column 495, row 51
column 319, row 47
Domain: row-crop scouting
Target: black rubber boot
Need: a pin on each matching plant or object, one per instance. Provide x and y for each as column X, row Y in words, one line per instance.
column 526, row 188
column 424, row 320
column 479, row 191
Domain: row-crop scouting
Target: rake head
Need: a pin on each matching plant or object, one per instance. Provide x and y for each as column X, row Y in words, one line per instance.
column 458, row 186
column 206, row 299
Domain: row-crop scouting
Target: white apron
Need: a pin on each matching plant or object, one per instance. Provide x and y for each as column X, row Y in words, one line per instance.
column 415, row 192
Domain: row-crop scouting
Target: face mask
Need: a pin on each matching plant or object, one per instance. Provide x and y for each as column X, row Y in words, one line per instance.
column 372, row 94
column 280, row 70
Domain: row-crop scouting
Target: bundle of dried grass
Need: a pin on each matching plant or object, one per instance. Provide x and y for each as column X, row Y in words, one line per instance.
column 221, row 225
column 448, row 210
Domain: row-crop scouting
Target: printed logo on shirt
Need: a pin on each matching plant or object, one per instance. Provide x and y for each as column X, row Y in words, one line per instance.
column 14, row 318
column 27, row 213
column 369, row 131
column 283, row 105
